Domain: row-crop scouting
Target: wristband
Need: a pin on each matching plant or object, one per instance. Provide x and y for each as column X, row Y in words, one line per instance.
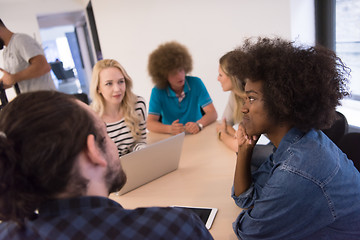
column 200, row 126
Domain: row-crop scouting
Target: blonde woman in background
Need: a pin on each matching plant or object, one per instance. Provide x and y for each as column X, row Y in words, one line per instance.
column 232, row 114
column 231, row 79
column 123, row 112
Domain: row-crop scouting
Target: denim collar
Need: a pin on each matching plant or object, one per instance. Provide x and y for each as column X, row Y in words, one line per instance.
column 171, row 92
column 291, row 137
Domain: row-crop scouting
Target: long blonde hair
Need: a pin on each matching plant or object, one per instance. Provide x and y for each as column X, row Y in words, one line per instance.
column 127, row 104
column 238, row 89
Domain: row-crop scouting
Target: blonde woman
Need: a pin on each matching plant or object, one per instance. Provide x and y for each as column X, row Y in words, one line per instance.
column 113, row 100
column 232, row 114
column 231, row 79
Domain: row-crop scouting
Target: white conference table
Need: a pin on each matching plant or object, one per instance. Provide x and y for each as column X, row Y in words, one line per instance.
column 204, row 179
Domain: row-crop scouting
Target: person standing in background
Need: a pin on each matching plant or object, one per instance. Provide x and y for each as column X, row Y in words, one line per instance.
column 25, row 66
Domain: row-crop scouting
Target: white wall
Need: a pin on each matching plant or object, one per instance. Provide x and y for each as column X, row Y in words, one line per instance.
column 303, row 21
column 21, row 15
column 129, row 30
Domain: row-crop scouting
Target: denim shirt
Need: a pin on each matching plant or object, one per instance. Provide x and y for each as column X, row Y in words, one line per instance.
column 307, row 189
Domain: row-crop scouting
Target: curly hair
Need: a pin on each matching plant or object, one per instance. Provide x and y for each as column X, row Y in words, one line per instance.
column 226, row 63
column 166, row 58
column 39, row 146
column 128, row 103
column 301, row 85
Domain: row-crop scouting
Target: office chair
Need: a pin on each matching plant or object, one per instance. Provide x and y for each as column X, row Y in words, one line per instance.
column 338, row 129
column 60, row 72
column 350, row 145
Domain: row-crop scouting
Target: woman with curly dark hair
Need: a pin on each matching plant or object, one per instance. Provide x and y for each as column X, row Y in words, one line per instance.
column 181, row 102
column 307, row 188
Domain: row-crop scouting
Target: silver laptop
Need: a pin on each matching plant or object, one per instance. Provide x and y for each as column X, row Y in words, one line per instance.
column 149, row 163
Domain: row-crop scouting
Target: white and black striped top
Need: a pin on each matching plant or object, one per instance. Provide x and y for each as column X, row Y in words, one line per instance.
column 120, row 133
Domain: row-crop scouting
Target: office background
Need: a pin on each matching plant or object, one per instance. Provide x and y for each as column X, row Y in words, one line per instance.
column 130, row 30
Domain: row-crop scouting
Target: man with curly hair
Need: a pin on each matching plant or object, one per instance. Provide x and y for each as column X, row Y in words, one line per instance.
column 307, row 188
column 178, row 102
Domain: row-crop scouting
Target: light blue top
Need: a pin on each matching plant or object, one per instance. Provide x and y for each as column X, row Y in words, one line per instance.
column 307, row 189
column 164, row 103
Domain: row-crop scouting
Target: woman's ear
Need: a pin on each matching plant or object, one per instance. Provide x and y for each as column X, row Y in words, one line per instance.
column 94, row 153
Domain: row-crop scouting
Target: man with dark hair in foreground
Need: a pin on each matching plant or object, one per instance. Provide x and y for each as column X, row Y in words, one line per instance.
column 57, row 168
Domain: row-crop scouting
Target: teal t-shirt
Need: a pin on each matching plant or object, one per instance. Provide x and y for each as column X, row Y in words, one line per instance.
column 164, row 103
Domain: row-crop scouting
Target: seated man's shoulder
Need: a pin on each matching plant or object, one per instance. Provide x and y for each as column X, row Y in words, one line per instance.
column 184, row 223
column 140, row 223
column 161, row 213
column 195, row 82
column 10, row 230
column 193, row 79
column 157, row 90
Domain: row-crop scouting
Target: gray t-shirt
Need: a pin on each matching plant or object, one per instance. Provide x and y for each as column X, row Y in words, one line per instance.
column 17, row 54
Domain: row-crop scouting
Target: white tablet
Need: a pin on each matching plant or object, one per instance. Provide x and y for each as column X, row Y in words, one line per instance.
column 206, row 214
